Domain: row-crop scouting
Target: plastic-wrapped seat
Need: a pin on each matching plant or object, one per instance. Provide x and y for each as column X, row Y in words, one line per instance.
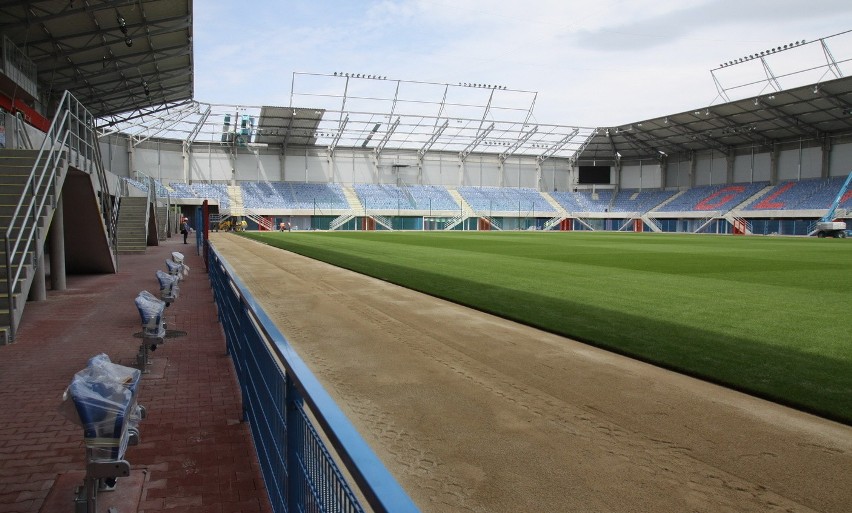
column 168, row 286
column 178, row 258
column 175, row 269
column 103, row 396
column 151, row 311
column 153, row 325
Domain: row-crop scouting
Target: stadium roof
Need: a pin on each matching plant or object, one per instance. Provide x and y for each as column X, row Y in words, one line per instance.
column 808, row 113
column 114, row 56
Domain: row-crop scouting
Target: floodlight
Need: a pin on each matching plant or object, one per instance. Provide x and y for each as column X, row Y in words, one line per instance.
column 128, row 41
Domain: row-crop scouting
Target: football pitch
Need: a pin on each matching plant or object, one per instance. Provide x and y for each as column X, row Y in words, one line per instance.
column 769, row 316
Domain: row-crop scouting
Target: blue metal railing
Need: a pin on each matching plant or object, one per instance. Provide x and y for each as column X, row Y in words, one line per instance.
column 286, row 406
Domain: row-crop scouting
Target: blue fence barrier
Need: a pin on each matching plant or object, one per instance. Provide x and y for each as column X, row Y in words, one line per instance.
column 280, row 397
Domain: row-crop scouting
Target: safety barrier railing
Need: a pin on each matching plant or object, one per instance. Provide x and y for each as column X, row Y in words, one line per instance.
column 280, row 397
column 71, row 137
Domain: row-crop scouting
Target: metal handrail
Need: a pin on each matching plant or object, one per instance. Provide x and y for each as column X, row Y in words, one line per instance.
column 22, row 137
column 72, row 129
column 109, row 207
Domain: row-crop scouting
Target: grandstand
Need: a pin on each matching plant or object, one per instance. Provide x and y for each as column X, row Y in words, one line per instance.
column 130, row 157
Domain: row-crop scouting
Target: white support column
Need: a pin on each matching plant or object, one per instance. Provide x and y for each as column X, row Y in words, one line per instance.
column 773, row 164
column 538, row 175
column 130, row 168
column 826, row 157
column 187, row 155
column 57, row 249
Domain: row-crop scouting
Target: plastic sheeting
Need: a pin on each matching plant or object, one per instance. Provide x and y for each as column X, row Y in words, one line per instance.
column 102, row 400
column 168, row 286
column 177, row 257
column 151, row 311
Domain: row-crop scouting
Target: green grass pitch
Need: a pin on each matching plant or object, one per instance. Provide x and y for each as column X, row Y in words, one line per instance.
column 767, row 315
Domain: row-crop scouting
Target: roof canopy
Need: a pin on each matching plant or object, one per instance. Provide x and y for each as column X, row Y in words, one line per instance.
column 804, row 113
column 114, row 56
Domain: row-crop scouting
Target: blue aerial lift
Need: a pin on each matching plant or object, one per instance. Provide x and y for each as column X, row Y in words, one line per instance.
column 827, row 226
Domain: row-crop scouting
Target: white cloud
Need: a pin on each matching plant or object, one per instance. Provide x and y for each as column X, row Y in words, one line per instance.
column 592, row 63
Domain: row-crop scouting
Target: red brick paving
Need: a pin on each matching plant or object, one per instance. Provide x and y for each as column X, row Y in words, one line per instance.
column 198, row 455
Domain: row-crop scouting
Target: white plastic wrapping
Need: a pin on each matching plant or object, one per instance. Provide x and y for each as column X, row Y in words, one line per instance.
column 168, row 286
column 151, row 311
column 102, row 399
column 177, row 257
column 175, row 269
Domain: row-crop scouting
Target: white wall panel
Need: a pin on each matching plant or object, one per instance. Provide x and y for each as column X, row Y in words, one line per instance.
column 703, row 174
column 812, row 162
column 762, row 164
column 718, row 169
column 788, row 165
column 363, row 170
column 318, row 168
column 215, row 166
column 742, row 169
column 630, row 177
column 840, row 163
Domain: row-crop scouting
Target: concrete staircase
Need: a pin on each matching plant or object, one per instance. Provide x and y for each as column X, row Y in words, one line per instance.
column 235, row 194
column 466, row 210
column 132, row 231
column 352, row 199
column 15, row 169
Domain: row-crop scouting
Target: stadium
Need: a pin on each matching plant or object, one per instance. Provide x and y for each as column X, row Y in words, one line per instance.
column 474, row 310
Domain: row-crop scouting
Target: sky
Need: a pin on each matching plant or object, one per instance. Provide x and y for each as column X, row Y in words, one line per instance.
column 584, row 63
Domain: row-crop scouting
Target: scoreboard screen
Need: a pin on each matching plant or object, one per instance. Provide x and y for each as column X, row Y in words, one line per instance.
column 594, row 175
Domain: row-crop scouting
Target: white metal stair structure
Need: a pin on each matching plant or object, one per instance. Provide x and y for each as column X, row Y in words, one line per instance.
column 735, row 220
column 465, row 213
column 561, row 213
column 651, row 222
column 32, row 187
column 493, row 222
column 711, row 216
column 648, row 218
column 340, row 220
column 384, row 221
column 257, row 218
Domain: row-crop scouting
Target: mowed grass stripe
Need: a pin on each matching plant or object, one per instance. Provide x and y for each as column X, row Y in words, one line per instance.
column 770, row 316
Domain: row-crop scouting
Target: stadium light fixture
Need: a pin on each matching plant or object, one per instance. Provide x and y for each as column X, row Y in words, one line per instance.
column 128, row 42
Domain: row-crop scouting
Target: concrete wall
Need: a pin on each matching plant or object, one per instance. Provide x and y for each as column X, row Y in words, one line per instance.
column 213, row 162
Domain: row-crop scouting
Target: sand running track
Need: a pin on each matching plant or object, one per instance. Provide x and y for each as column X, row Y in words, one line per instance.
column 475, row 413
